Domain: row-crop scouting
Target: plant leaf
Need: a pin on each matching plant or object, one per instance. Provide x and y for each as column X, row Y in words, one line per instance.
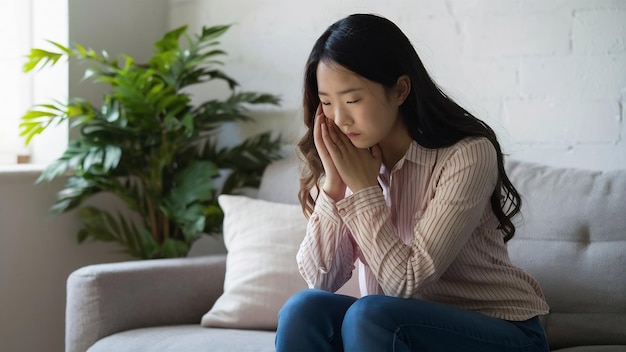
column 40, row 56
column 185, row 203
column 170, row 40
column 172, row 248
column 101, row 225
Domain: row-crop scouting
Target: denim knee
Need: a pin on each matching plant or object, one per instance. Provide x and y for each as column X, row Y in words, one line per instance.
column 363, row 312
column 303, row 306
column 365, row 308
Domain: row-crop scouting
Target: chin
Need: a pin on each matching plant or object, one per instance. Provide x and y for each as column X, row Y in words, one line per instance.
column 361, row 145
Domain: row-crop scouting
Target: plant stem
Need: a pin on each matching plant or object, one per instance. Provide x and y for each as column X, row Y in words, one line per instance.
column 153, row 221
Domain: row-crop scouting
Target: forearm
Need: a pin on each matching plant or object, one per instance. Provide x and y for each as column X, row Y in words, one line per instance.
column 397, row 267
column 327, row 254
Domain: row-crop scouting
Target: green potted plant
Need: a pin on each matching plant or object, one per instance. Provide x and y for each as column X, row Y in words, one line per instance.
column 148, row 145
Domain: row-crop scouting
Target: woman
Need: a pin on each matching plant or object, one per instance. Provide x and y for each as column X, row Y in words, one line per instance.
column 404, row 179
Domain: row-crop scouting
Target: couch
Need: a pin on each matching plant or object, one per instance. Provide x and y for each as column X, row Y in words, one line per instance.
column 571, row 237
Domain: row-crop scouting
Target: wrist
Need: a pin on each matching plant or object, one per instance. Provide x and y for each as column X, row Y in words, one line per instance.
column 362, row 186
column 335, row 192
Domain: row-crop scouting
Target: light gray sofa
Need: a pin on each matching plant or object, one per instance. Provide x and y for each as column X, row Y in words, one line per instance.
column 571, row 237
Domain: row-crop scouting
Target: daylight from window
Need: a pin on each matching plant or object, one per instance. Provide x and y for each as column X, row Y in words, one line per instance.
column 27, row 24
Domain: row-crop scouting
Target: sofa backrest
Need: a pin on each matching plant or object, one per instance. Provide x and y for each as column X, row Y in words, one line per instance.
column 571, row 236
column 280, row 182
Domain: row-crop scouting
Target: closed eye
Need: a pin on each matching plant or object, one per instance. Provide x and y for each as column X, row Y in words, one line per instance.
column 353, row 101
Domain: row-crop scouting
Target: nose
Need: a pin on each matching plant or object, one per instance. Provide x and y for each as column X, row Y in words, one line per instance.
column 341, row 117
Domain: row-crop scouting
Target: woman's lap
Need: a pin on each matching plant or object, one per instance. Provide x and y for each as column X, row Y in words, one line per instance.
column 321, row 321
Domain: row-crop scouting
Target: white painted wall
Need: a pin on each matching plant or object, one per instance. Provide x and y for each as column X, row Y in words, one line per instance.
column 548, row 75
column 36, row 255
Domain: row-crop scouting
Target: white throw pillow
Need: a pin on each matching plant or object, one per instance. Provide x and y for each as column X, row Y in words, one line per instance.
column 262, row 239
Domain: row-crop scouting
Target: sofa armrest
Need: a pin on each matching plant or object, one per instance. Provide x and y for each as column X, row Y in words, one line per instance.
column 104, row 299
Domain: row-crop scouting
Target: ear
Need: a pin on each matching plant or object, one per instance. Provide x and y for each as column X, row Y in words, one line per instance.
column 403, row 87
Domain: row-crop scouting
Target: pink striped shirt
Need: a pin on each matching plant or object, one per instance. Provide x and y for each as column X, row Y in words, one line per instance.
column 427, row 232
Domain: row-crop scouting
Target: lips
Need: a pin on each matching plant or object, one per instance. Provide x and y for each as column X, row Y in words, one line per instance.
column 352, row 134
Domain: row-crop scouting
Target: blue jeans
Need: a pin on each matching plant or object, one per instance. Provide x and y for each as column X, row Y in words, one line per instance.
column 320, row 321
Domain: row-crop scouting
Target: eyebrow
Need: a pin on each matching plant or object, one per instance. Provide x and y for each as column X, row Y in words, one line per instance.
column 345, row 91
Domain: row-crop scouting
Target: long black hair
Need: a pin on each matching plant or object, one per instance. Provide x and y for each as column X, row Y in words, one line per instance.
column 375, row 48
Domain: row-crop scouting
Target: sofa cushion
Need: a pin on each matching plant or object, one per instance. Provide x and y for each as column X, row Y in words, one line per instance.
column 262, row 239
column 604, row 348
column 571, row 236
column 187, row 338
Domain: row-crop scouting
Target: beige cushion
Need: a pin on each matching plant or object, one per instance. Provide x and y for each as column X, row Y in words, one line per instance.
column 262, row 239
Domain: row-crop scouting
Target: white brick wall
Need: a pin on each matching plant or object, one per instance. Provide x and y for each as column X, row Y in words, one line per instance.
column 563, row 122
column 516, row 35
column 590, row 29
column 548, row 75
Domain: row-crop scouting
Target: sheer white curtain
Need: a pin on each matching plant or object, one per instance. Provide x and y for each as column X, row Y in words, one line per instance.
column 25, row 24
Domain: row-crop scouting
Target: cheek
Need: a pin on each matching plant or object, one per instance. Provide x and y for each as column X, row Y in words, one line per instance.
column 328, row 111
column 382, row 119
column 374, row 114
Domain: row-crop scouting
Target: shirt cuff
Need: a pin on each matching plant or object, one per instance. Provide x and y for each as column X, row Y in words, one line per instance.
column 360, row 202
column 326, row 207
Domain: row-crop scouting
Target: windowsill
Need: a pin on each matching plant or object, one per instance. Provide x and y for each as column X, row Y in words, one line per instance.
column 21, row 169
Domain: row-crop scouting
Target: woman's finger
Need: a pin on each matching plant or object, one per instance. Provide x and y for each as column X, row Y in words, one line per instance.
column 340, row 139
column 329, row 142
column 317, row 130
column 341, row 146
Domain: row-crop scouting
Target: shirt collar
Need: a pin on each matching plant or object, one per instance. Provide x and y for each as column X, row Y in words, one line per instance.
column 421, row 155
column 418, row 155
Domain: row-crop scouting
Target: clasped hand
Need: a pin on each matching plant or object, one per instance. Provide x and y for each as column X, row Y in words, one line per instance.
column 344, row 164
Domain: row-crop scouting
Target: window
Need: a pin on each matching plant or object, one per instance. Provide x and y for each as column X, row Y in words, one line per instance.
column 26, row 24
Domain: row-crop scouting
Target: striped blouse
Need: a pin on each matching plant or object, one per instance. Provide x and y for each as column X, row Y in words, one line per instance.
column 427, row 232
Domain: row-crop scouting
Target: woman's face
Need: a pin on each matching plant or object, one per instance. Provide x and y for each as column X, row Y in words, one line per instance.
column 363, row 110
